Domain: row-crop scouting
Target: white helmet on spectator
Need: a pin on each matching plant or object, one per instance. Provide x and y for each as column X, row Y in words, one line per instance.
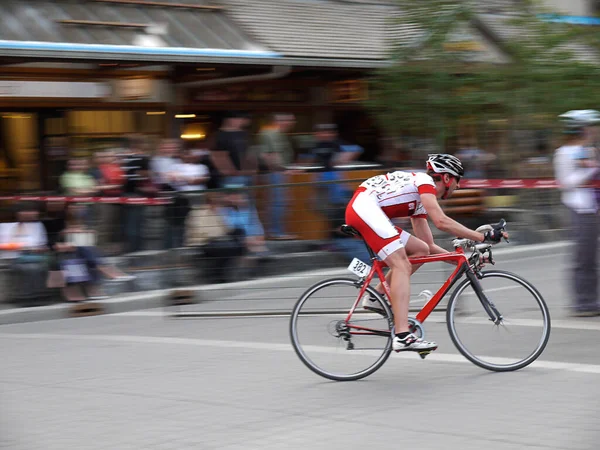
column 575, row 120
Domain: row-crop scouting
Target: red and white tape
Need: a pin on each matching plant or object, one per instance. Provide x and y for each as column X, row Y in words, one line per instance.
column 114, row 200
column 511, row 183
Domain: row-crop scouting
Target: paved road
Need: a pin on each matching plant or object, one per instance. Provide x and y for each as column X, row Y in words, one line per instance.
column 146, row 380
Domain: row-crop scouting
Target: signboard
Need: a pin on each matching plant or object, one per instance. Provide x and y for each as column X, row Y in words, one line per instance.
column 463, row 46
column 54, row 89
column 263, row 94
column 348, row 91
column 135, row 88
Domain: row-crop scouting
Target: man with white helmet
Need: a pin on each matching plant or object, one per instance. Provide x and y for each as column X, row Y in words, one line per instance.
column 414, row 195
column 576, row 166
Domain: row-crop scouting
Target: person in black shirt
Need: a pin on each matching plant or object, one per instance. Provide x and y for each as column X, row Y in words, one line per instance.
column 230, row 153
column 327, row 146
column 136, row 166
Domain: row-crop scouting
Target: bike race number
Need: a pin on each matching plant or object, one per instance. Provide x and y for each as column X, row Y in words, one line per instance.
column 359, row 268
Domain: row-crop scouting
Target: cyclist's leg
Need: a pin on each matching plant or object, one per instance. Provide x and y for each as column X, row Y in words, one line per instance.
column 400, row 297
column 400, row 287
column 414, row 247
column 365, row 215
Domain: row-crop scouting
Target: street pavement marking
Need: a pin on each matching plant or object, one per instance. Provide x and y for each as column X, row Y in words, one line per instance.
column 434, row 357
column 558, row 324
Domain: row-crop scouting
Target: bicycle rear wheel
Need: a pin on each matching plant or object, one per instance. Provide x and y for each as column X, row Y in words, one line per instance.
column 330, row 344
column 513, row 343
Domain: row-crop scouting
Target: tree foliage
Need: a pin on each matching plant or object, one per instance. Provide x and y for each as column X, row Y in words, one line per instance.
column 430, row 85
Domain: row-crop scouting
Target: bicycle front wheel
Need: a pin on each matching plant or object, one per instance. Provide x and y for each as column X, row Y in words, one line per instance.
column 512, row 343
column 334, row 345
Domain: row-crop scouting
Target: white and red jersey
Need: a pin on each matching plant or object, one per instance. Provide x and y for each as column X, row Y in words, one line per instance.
column 399, row 193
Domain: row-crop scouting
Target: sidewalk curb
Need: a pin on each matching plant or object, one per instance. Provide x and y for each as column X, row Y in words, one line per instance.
column 156, row 299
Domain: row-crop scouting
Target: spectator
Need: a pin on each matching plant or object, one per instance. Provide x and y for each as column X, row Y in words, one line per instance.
column 240, row 215
column 27, row 234
column 136, row 167
column 230, row 154
column 54, row 222
column 190, row 175
column 187, row 176
column 77, row 181
column 202, row 156
column 221, row 246
column 276, row 155
column 81, row 261
column 329, row 152
column 25, row 242
column 474, row 159
column 576, row 165
column 163, row 165
column 163, row 174
column 110, row 179
column 326, row 147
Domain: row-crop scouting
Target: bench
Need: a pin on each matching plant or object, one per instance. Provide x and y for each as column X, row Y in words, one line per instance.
column 465, row 203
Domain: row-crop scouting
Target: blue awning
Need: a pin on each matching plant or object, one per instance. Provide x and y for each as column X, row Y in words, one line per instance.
column 132, row 50
column 132, row 53
column 574, row 20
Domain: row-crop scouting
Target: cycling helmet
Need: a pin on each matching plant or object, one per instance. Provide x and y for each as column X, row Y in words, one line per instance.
column 574, row 121
column 445, row 163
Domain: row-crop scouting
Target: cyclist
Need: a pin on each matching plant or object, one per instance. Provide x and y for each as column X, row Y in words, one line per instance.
column 414, row 195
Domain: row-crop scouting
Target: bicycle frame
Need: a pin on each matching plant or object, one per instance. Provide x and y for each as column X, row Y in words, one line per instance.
column 462, row 267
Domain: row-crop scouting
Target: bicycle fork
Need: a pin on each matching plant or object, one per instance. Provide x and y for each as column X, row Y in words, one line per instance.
column 487, row 304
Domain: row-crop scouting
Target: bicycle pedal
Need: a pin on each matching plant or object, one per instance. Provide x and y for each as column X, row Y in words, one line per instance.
column 423, row 354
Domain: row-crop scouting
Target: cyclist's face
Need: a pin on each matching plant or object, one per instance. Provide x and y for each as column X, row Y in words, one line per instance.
column 453, row 184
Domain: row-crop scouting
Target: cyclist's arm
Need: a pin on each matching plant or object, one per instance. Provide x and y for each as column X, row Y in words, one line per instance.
column 422, row 231
column 445, row 223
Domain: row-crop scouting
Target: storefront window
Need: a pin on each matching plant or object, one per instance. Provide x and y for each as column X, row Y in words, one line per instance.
column 19, row 152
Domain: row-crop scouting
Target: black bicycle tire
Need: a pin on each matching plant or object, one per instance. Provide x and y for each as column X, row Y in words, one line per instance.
column 306, row 360
column 493, row 367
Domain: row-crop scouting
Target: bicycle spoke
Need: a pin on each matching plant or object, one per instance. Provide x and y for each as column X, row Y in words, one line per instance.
column 333, row 346
column 517, row 340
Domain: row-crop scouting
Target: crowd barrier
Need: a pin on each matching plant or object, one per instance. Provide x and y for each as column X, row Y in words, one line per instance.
column 510, row 183
column 531, row 207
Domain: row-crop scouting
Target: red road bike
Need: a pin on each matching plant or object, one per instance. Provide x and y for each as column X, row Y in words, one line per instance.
column 335, row 337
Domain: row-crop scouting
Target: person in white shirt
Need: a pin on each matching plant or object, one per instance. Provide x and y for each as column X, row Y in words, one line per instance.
column 186, row 176
column 163, row 164
column 576, row 166
column 190, row 175
column 28, row 234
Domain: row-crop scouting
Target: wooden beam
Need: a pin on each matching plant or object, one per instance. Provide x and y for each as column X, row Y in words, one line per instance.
column 104, row 24
column 161, row 4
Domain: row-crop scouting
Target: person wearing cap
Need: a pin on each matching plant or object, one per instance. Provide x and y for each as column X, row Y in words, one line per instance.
column 576, row 167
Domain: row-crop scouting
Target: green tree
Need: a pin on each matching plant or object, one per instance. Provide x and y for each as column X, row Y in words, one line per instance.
column 435, row 79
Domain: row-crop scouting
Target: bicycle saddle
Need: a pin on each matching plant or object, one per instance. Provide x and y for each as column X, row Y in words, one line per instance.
column 350, row 231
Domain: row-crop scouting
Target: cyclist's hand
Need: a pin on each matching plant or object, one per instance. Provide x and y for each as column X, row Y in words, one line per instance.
column 494, row 233
column 493, row 236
